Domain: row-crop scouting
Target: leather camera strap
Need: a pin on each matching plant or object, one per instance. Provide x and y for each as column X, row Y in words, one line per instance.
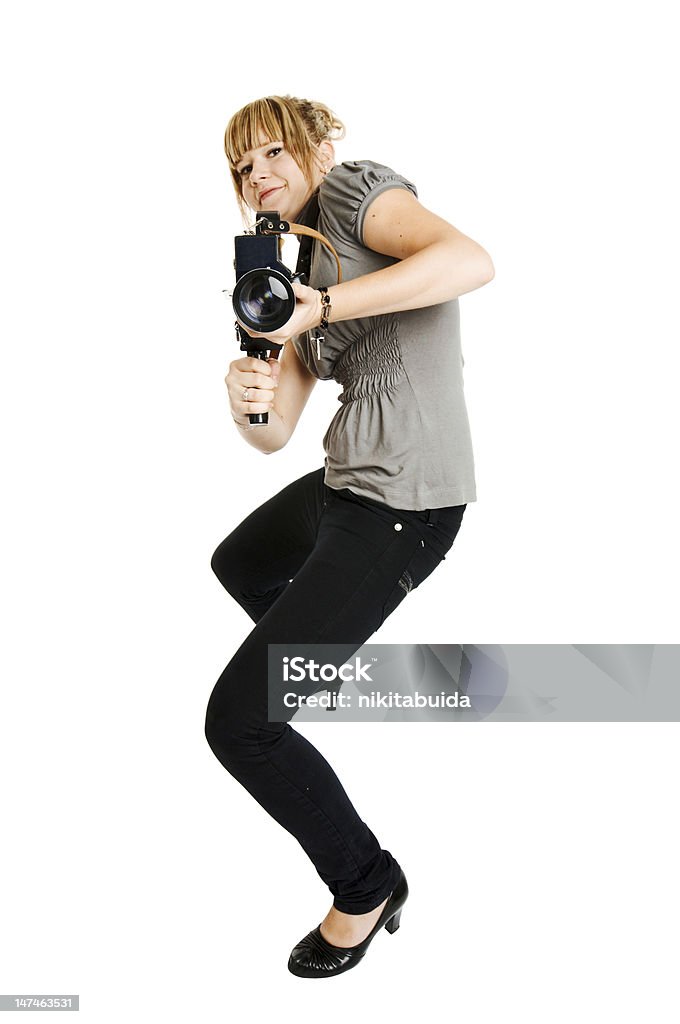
column 300, row 229
column 303, row 229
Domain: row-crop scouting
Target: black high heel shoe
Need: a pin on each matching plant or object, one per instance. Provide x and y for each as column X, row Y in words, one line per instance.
column 313, row 957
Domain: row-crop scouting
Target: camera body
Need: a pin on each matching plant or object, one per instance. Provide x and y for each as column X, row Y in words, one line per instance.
column 263, row 298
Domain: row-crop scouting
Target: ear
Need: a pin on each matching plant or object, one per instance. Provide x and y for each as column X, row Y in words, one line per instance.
column 326, row 153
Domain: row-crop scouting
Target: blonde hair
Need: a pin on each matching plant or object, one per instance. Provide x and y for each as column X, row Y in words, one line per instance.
column 300, row 124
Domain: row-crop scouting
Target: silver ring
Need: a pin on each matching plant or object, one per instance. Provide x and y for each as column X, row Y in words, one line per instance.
column 244, row 397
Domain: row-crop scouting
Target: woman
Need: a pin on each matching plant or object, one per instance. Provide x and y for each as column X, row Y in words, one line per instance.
column 328, row 558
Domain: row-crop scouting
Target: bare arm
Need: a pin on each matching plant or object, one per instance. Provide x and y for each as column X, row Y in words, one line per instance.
column 437, row 263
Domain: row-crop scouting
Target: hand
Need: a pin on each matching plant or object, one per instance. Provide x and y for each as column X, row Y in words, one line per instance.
column 261, row 377
column 306, row 315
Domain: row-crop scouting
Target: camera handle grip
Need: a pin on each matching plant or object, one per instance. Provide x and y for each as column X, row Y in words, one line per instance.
column 258, row 348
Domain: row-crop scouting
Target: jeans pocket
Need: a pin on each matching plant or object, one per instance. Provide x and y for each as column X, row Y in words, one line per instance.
column 403, row 587
column 421, row 564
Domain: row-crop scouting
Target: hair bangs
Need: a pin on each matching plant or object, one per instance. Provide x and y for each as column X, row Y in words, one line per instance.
column 252, row 127
column 275, row 118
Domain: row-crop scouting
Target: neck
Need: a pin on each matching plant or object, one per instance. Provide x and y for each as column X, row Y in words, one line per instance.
column 309, row 213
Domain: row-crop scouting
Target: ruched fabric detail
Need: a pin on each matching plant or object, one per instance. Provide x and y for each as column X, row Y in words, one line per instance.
column 372, row 365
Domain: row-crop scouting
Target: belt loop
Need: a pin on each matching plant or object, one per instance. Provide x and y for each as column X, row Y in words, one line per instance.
column 432, row 516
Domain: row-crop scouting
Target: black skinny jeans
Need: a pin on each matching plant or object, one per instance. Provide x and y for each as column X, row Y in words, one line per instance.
column 313, row 565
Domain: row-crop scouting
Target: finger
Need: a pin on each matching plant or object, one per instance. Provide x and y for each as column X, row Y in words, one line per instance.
column 301, row 291
column 246, row 407
column 253, row 365
column 248, row 330
column 260, row 379
column 275, row 367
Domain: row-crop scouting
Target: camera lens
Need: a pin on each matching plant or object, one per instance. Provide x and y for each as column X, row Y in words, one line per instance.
column 263, row 300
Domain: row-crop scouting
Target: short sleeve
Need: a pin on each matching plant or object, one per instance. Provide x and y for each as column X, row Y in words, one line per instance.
column 349, row 189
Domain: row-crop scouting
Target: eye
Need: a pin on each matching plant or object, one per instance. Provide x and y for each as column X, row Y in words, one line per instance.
column 247, row 168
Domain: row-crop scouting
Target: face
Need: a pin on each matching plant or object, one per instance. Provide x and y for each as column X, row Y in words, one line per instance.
column 271, row 180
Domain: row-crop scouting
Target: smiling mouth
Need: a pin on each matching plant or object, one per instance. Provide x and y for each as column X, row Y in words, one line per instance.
column 268, row 192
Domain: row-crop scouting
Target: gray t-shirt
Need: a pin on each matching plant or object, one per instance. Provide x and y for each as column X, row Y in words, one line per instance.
column 401, row 435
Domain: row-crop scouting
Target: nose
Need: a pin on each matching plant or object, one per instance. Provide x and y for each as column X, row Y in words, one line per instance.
column 258, row 173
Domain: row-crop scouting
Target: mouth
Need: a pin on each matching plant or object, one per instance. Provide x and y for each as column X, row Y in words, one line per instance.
column 268, row 192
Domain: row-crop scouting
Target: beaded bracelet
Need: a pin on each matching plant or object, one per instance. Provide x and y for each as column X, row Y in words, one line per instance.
column 325, row 308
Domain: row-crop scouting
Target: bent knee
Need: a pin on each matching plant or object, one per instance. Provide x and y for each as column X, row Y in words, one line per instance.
column 232, row 736
column 225, row 563
column 226, row 738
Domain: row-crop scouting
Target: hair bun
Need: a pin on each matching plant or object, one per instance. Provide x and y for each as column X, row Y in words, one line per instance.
column 319, row 119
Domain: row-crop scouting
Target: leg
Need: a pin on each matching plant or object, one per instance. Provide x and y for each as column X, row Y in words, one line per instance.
column 344, row 582
column 257, row 560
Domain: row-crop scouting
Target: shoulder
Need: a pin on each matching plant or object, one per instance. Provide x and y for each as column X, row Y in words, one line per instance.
column 355, row 178
column 350, row 187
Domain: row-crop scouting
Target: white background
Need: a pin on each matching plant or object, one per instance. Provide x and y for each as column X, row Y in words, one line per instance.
column 135, row 870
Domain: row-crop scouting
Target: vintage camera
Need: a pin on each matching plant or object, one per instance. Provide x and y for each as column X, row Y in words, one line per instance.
column 263, row 298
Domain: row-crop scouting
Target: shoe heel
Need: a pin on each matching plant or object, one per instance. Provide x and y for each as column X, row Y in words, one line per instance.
column 393, row 923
